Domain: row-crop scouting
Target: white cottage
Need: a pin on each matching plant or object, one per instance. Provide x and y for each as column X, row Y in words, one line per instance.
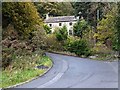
column 60, row 21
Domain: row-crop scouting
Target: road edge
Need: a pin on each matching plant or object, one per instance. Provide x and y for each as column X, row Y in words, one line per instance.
column 58, row 76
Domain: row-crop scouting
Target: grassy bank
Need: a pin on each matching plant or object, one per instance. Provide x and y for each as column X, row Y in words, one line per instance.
column 63, row 53
column 105, row 57
column 100, row 57
column 24, row 68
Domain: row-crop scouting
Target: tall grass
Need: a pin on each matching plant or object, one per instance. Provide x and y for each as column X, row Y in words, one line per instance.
column 23, row 68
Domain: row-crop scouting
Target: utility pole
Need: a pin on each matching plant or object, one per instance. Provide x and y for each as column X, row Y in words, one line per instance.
column 98, row 14
column 96, row 21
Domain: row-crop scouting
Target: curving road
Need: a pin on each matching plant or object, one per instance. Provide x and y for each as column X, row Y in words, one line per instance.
column 74, row 72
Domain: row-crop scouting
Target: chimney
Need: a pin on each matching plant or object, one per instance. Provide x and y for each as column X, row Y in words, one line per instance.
column 77, row 17
column 47, row 15
column 82, row 18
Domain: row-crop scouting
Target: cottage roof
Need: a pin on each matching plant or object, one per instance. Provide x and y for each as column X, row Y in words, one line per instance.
column 60, row 19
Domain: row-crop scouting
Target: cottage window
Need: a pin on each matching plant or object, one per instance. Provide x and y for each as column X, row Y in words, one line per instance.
column 50, row 25
column 60, row 24
column 70, row 32
column 70, row 23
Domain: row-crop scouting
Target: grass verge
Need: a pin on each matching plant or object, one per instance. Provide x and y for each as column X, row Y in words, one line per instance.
column 18, row 75
column 63, row 53
column 105, row 57
column 99, row 57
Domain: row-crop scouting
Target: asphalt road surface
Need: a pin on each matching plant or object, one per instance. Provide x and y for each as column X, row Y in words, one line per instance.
column 74, row 72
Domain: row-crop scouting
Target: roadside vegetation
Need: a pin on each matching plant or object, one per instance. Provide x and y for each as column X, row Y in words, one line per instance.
column 22, row 59
column 95, row 35
column 26, row 38
column 25, row 68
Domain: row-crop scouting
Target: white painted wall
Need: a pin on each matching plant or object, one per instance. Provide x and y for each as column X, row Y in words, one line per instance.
column 67, row 24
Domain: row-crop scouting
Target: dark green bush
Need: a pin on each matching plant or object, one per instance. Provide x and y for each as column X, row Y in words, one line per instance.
column 62, row 34
column 79, row 28
column 47, row 29
column 79, row 47
column 68, row 42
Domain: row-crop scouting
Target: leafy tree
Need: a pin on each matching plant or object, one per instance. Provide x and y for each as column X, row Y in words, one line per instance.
column 67, row 10
column 92, row 12
column 82, row 7
column 79, row 28
column 118, row 28
column 106, row 31
column 0, row 13
column 23, row 16
column 54, row 8
column 47, row 7
column 89, row 10
column 62, row 34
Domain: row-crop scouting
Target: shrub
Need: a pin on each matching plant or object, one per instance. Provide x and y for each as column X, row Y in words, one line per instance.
column 39, row 37
column 79, row 28
column 6, row 57
column 13, row 48
column 79, row 47
column 68, row 42
column 100, row 48
column 52, row 43
column 62, row 34
column 47, row 29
